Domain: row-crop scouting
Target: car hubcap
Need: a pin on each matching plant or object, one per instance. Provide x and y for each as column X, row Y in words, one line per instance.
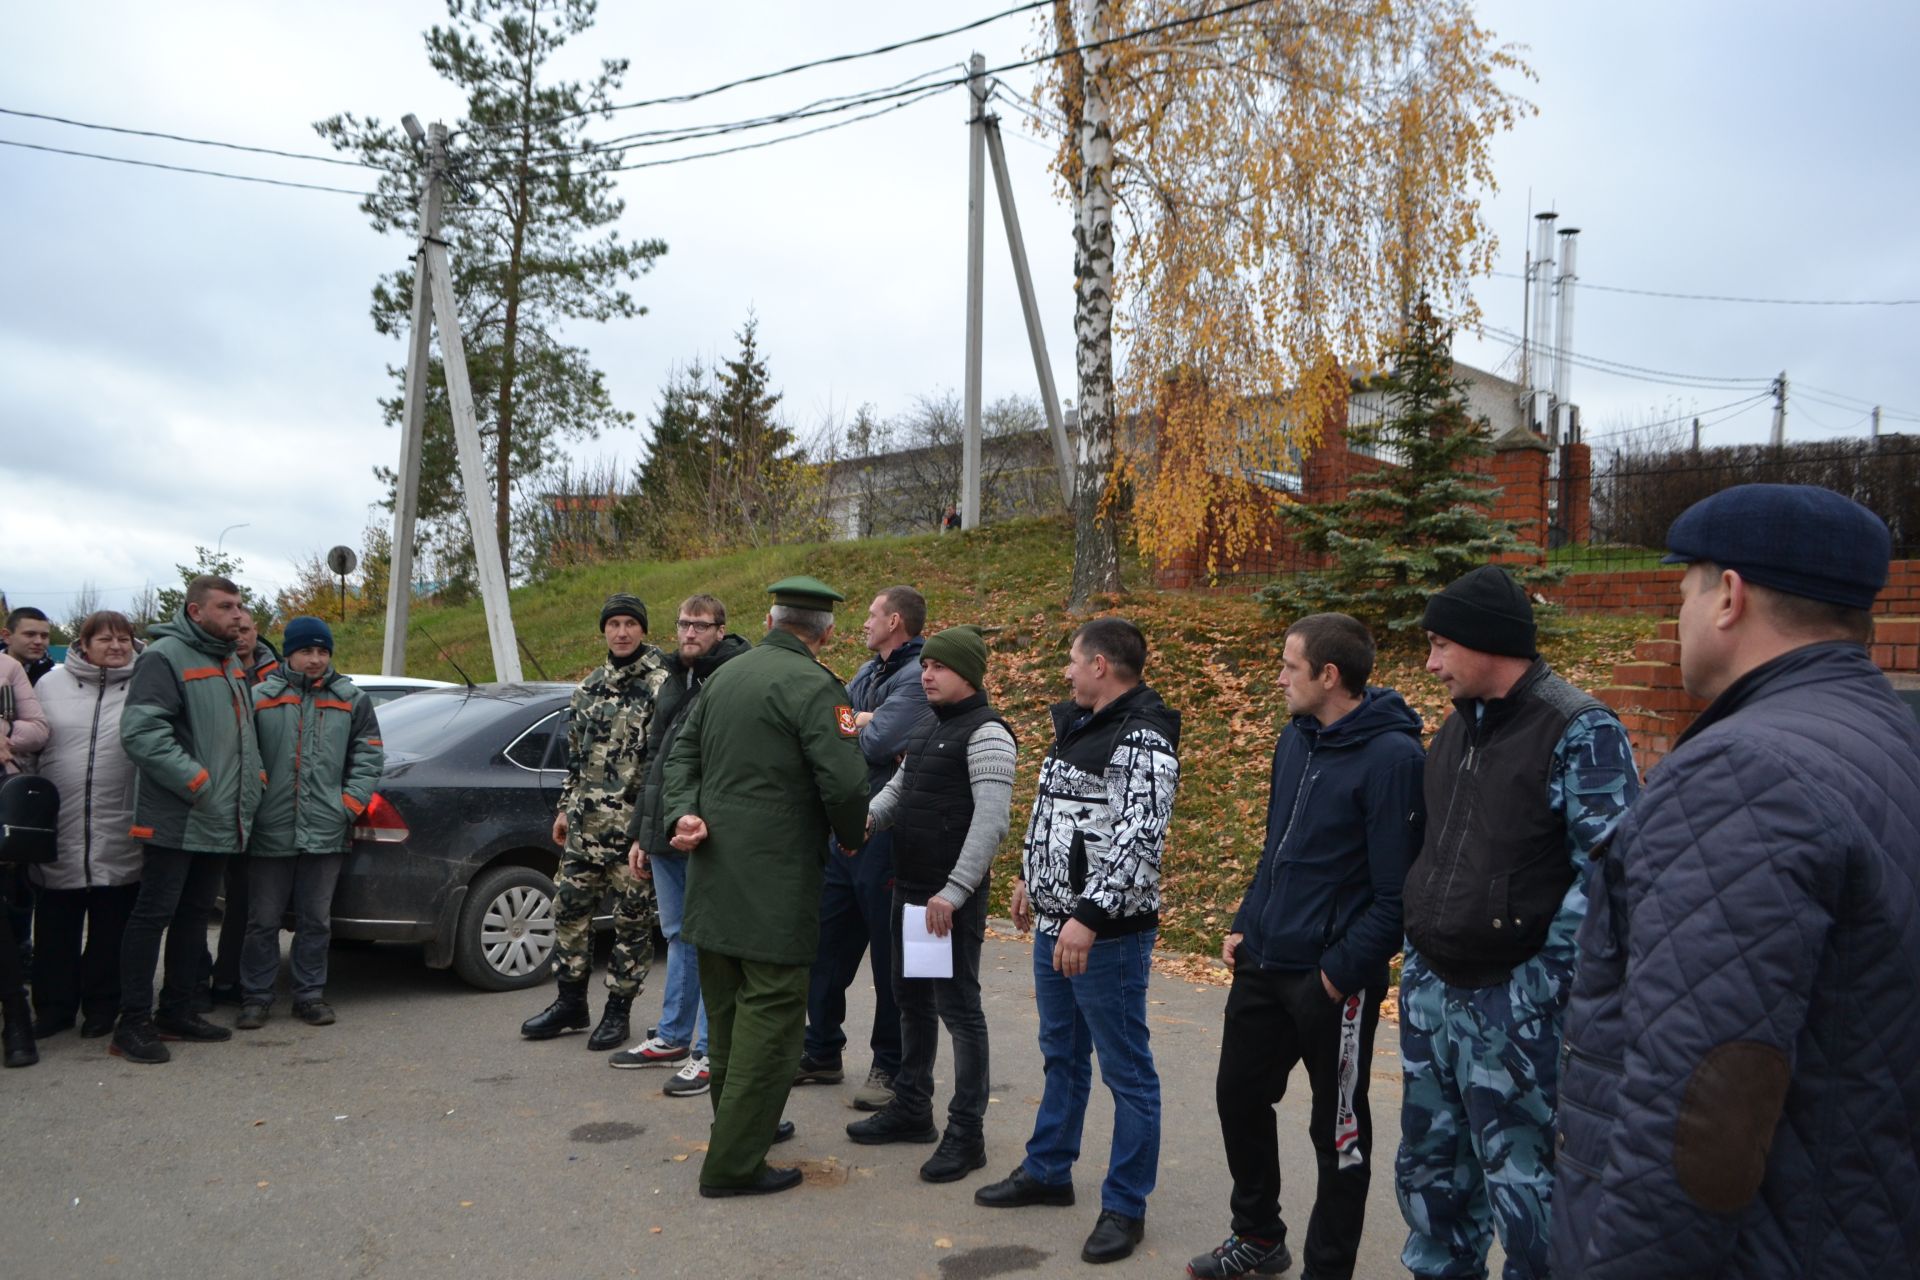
column 517, row 933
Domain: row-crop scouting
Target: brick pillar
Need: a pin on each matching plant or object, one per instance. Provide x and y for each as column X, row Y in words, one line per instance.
column 1576, row 493
column 1519, row 467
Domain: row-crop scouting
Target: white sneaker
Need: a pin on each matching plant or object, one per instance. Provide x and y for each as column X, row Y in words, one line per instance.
column 689, row 1081
column 651, row 1052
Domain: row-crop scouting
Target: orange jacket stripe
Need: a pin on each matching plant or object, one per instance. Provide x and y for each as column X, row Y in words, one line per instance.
column 140, row 833
column 332, row 704
column 284, row 700
column 199, row 781
column 202, row 673
column 354, row 807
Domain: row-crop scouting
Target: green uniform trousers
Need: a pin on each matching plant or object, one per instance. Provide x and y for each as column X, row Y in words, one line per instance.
column 756, row 1017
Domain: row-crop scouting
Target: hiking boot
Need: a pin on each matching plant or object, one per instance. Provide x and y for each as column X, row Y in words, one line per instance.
column 891, row 1126
column 191, row 1026
column 876, row 1093
column 315, row 1013
column 651, row 1052
column 252, row 1017
column 1242, row 1256
column 819, row 1071
column 956, row 1157
column 689, row 1081
column 1019, row 1189
column 136, row 1040
column 1113, row 1238
column 613, row 1029
column 567, row 1013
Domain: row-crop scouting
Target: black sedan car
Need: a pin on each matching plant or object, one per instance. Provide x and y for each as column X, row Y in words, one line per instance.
column 456, row 850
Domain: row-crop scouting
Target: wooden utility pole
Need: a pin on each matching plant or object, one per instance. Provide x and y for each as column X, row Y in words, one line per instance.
column 976, row 244
column 433, row 301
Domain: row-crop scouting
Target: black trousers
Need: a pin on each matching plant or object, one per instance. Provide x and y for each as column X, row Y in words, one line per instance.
column 233, row 923
column 1273, row 1021
column 926, row 1003
column 855, row 894
column 76, row 956
column 12, row 977
column 177, row 889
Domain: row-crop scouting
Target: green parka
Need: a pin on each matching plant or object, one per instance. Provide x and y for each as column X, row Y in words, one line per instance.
column 321, row 747
column 188, row 728
column 769, row 759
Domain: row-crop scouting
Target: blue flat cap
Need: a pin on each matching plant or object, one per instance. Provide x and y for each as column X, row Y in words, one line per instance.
column 1796, row 538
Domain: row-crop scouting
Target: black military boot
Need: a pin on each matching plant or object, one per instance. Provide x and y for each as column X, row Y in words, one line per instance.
column 612, row 1031
column 17, row 1035
column 567, row 1013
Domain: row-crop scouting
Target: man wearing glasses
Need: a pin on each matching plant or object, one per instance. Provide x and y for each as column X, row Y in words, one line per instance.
column 701, row 646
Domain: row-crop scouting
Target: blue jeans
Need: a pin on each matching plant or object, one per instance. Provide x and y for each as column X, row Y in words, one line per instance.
column 683, row 1019
column 856, row 894
column 302, row 884
column 1103, row 1010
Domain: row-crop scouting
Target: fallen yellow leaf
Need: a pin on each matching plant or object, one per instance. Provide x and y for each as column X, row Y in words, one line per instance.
column 943, row 1243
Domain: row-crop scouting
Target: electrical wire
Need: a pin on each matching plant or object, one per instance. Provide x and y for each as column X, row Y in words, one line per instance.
column 1621, row 369
column 832, row 60
column 178, row 168
column 773, row 142
column 178, row 137
column 1721, row 297
column 1684, row 417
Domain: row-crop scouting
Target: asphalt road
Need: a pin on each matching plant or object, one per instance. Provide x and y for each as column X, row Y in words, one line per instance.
column 421, row 1137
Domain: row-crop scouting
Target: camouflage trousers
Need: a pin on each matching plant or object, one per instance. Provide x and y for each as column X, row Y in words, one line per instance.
column 1482, row 1076
column 589, row 871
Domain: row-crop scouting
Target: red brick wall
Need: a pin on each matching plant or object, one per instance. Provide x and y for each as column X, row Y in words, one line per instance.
column 1657, row 591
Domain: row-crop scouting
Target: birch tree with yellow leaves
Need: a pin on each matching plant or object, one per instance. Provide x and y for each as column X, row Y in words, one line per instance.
column 1262, row 190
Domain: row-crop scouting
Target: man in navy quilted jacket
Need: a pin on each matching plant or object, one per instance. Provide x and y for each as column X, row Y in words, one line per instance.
column 1740, row 1097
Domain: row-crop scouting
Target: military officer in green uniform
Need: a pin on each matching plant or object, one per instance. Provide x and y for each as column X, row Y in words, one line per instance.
column 606, row 762
column 765, row 770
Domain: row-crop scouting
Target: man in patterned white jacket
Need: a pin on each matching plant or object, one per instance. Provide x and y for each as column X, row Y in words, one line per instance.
column 1091, row 884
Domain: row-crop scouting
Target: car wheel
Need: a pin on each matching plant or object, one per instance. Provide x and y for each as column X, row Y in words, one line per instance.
column 506, row 930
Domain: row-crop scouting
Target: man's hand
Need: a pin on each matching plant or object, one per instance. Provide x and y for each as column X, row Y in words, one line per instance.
column 637, row 862
column 688, row 833
column 1333, row 992
column 560, row 829
column 1070, row 952
column 862, row 720
column 939, row 917
column 1232, row 945
column 1021, row 907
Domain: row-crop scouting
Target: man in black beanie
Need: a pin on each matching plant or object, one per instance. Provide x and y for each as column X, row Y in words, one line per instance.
column 1524, row 780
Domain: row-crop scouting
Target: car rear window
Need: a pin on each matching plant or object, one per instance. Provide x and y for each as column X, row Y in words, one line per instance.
column 419, row 722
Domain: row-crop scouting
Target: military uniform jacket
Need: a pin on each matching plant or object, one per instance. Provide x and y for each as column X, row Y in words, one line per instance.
column 321, row 748
column 607, row 747
column 769, row 760
column 188, row 728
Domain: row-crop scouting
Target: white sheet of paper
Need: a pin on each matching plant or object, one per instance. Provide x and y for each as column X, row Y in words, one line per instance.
column 921, row 954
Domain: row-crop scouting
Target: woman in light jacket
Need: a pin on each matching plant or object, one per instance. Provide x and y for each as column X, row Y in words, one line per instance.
column 23, row 732
column 90, row 888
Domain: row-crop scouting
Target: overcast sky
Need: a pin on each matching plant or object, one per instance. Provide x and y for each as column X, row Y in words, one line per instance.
column 181, row 354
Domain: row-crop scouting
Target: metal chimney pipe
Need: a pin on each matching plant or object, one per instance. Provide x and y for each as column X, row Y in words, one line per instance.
column 1542, row 298
column 1563, row 332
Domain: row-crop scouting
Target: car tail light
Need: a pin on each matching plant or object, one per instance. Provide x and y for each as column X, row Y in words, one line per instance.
column 381, row 822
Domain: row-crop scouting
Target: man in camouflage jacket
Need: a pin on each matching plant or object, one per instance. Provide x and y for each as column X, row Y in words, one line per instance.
column 606, row 763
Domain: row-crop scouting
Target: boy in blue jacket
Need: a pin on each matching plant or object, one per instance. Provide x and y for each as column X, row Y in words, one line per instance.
column 1310, row 947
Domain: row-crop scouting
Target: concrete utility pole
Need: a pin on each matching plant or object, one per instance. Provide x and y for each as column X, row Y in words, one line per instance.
column 433, row 300
column 976, row 243
column 1780, row 409
column 1875, row 436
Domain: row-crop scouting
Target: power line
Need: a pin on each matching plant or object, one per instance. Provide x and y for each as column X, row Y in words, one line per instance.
column 177, row 137
column 774, row 75
column 1644, row 374
column 1721, row 297
column 774, row 142
column 178, row 168
column 1684, row 417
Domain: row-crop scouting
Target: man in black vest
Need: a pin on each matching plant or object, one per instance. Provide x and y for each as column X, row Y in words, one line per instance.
column 949, row 807
column 1524, row 781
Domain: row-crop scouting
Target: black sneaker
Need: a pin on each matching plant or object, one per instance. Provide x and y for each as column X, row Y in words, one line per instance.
column 95, row 1025
column 136, row 1041
column 192, row 1026
column 252, row 1017
column 1241, row 1256
column 955, row 1159
column 315, row 1013
column 891, row 1126
column 226, row 995
column 819, row 1071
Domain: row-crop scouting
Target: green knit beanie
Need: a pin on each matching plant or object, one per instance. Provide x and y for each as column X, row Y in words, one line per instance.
column 962, row 650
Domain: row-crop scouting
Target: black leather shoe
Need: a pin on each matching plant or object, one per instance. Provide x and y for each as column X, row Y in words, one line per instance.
column 1019, row 1189
column 783, row 1132
column 192, row 1026
column 568, row 1012
column 135, row 1040
column 956, row 1158
column 769, row 1181
column 252, row 1017
column 1113, row 1238
column 819, row 1071
column 890, row 1126
column 95, row 1025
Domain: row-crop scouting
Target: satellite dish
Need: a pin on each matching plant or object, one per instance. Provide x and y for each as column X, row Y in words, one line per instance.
column 342, row 560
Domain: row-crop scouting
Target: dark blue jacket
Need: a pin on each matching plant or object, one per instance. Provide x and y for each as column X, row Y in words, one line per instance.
column 1740, row 1095
column 1344, row 821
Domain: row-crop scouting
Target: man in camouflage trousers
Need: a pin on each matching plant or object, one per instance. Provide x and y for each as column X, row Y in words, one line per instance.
column 1524, row 781
column 606, row 763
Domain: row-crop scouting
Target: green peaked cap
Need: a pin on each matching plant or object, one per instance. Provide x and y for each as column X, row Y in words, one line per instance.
column 802, row 592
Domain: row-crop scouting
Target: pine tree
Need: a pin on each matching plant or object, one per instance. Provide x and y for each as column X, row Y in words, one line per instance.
column 1419, row 519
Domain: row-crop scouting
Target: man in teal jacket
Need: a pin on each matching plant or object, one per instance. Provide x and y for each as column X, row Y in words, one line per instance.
column 188, row 728
column 321, row 746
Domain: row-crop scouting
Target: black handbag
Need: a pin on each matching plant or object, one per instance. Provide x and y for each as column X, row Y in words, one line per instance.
column 29, row 818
